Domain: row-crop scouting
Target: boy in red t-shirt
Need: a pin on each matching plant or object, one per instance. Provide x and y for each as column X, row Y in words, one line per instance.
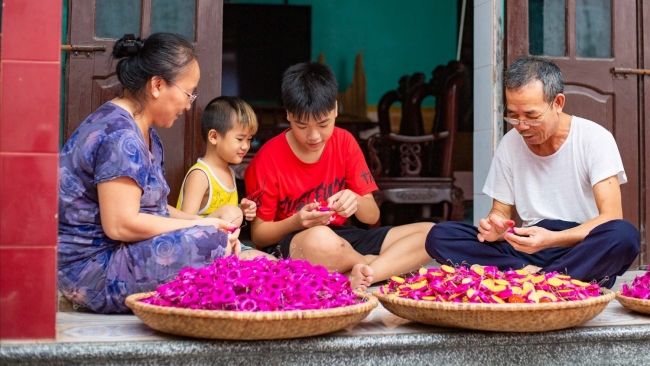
column 308, row 180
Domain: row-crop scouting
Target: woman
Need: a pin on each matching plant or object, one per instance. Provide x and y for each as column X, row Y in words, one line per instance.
column 117, row 235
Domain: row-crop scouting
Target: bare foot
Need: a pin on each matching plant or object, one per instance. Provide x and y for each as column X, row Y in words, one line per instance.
column 253, row 253
column 532, row 269
column 360, row 277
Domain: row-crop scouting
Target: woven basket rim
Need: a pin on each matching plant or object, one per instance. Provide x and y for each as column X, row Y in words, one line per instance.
column 133, row 302
column 605, row 296
column 620, row 295
column 634, row 304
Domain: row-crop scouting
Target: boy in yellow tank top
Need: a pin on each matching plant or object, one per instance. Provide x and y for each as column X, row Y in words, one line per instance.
column 209, row 190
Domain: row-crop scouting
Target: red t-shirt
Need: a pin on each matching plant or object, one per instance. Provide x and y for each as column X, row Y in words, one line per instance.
column 281, row 184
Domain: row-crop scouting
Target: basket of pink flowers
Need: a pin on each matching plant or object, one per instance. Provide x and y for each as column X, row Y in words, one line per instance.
column 483, row 298
column 252, row 300
column 636, row 297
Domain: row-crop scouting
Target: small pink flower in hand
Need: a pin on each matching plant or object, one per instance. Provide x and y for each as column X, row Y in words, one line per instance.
column 322, row 207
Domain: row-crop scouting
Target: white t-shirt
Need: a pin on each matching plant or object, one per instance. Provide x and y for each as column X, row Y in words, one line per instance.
column 558, row 186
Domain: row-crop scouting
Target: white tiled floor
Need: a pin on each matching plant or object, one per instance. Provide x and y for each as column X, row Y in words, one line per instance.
column 88, row 327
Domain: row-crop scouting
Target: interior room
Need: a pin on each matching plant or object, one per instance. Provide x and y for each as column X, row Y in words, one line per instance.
column 437, row 65
column 371, row 53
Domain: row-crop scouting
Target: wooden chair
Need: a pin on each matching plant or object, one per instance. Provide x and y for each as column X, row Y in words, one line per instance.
column 400, row 95
column 414, row 168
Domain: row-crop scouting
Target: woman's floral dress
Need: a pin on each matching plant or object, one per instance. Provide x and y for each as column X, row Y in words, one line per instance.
column 94, row 270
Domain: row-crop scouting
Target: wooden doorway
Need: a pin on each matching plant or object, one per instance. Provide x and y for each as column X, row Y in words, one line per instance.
column 90, row 73
column 588, row 39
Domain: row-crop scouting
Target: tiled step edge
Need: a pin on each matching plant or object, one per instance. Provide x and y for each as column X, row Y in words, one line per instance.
column 628, row 345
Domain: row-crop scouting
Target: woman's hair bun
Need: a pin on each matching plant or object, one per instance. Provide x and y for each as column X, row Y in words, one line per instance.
column 127, row 46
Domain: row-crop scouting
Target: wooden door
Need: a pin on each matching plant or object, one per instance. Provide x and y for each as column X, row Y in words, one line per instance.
column 588, row 39
column 91, row 78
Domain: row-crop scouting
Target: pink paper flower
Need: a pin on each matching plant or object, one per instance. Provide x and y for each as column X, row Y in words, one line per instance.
column 640, row 288
column 256, row 285
column 487, row 285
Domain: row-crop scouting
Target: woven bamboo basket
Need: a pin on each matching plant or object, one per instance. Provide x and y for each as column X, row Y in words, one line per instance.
column 238, row 325
column 638, row 305
column 498, row 317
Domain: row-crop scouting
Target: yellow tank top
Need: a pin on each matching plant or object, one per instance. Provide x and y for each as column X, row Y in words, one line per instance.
column 218, row 195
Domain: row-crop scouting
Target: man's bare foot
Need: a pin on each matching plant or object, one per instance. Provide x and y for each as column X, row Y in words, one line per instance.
column 360, row 277
column 532, row 269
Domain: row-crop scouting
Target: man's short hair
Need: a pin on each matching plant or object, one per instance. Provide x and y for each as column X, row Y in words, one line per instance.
column 528, row 69
column 309, row 90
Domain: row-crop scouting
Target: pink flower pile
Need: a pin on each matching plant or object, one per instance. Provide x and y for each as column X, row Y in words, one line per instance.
column 487, row 285
column 256, row 285
column 640, row 288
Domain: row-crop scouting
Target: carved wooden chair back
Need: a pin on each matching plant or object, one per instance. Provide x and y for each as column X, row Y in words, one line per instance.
column 400, row 95
column 413, row 167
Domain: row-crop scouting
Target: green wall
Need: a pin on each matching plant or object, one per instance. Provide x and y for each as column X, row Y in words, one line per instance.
column 395, row 37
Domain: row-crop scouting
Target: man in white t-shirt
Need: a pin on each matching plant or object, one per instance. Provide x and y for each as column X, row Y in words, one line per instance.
column 563, row 175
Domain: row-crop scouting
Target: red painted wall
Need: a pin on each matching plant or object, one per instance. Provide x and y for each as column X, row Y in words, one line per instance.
column 29, row 135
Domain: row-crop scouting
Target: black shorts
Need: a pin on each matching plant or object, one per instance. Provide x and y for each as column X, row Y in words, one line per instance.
column 362, row 240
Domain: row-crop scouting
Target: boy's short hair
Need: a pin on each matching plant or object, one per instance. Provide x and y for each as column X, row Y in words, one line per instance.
column 218, row 114
column 309, row 90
